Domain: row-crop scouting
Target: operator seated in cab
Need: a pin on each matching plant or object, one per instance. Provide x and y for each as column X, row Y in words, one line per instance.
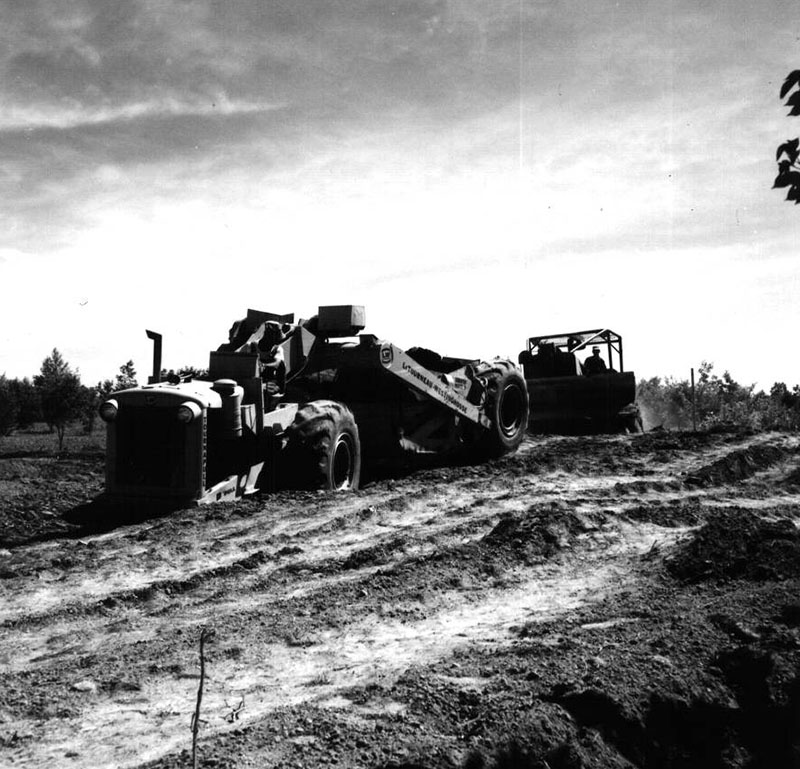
column 271, row 358
column 594, row 364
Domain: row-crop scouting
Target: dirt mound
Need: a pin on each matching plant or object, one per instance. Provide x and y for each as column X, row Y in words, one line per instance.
column 677, row 732
column 753, row 725
column 734, row 544
column 668, row 514
column 736, row 466
column 583, row 751
column 542, row 532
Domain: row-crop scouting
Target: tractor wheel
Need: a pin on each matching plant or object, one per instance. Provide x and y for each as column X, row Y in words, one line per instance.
column 506, row 406
column 323, row 450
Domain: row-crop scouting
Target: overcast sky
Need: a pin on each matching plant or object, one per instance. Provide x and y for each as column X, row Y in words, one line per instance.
column 473, row 172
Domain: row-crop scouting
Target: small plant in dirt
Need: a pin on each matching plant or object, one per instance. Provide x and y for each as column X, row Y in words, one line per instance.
column 320, row 679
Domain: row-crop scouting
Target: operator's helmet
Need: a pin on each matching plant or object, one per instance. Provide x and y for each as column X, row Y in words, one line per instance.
column 595, row 349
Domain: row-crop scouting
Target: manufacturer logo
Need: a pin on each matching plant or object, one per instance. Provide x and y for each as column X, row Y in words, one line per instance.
column 387, row 356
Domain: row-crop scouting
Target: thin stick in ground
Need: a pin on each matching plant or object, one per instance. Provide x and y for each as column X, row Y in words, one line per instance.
column 205, row 634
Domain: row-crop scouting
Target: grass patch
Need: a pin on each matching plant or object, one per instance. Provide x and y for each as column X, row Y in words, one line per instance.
column 38, row 441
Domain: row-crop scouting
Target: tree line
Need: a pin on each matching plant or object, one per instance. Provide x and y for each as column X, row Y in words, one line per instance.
column 57, row 397
column 717, row 401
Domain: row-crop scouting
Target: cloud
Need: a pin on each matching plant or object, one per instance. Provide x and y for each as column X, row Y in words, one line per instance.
column 13, row 118
column 389, row 140
column 220, row 86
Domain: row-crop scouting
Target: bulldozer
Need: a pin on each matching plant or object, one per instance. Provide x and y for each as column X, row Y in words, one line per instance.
column 306, row 405
column 579, row 397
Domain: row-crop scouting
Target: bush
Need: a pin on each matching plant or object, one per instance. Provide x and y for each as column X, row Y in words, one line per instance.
column 719, row 401
column 9, row 407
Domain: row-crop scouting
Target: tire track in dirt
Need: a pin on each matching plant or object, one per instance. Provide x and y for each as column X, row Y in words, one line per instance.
column 130, row 567
column 128, row 728
column 333, row 538
column 360, row 555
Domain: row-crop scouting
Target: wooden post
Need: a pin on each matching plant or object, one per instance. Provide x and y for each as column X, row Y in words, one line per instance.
column 694, row 407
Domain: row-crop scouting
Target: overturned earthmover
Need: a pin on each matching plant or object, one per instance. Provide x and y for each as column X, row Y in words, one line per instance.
column 577, row 384
column 304, row 405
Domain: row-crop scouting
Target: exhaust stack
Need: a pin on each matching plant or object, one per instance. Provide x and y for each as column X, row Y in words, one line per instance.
column 156, row 337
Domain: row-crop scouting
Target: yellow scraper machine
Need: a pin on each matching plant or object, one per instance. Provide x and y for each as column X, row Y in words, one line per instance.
column 304, row 405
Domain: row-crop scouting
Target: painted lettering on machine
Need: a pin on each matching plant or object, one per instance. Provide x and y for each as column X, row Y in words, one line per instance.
column 396, row 361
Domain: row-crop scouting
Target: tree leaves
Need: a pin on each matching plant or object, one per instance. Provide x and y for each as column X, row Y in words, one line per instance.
column 787, row 153
column 792, row 79
column 790, row 148
column 794, row 102
column 786, row 176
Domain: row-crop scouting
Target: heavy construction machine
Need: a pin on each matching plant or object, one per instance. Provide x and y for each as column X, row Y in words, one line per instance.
column 577, row 384
column 304, row 405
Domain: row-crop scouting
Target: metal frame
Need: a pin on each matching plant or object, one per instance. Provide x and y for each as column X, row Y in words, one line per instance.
column 575, row 341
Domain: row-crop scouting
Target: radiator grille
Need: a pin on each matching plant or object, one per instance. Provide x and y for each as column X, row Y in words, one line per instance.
column 151, row 448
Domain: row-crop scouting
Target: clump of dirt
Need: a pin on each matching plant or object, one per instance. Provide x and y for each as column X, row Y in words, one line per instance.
column 736, row 466
column 735, row 544
column 669, row 731
column 756, row 730
column 541, row 532
column 753, row 725
column 374, row 555
column 584, row 750
column 793, row 478
column 668, row 514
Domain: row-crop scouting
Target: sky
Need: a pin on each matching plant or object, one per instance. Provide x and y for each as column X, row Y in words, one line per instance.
column 473, row 172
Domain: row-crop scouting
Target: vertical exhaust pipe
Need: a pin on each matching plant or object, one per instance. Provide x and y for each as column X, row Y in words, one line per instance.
column 156, row 377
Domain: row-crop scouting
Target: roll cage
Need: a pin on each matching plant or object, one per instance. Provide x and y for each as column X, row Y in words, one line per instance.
column 609, row 342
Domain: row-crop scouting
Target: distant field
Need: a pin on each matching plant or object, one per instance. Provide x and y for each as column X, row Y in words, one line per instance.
column 38, row 441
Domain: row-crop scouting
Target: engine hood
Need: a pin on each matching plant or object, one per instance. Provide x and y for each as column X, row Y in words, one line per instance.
column 164, row 394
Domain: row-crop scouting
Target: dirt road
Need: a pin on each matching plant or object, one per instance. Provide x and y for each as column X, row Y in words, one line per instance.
column 540, row 601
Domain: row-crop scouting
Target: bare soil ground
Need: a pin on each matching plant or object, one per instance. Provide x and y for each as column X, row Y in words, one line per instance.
column 627, row 601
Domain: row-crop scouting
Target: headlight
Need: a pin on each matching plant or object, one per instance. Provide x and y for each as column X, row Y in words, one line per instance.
column 108, row 411
column 188, row 411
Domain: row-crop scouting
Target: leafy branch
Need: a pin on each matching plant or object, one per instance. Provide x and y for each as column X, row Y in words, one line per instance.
column 788, row 152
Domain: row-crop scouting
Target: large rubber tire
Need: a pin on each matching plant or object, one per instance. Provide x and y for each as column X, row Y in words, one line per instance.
column 323, row 450
column 507, row 407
